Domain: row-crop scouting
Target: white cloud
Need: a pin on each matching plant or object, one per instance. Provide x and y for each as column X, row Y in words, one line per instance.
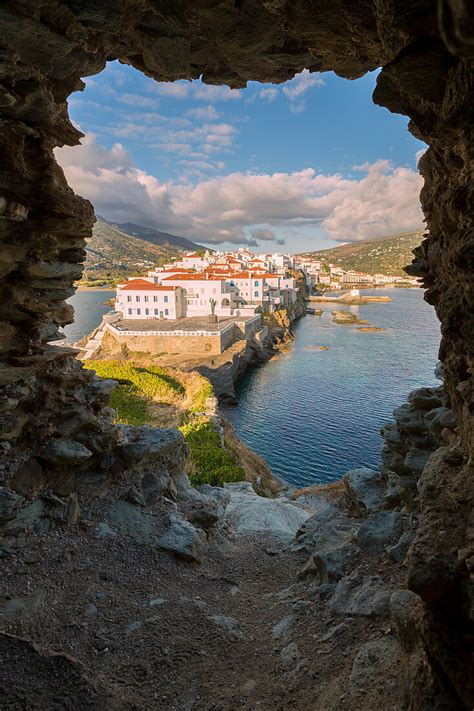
column 296, row 88
column 268, row 94
column 420, row 153
column 205, row 113
column 209, row 92
column 196, row 90
column 383, row 200
column 175, row 89
column 263, row 234
column 137, row 100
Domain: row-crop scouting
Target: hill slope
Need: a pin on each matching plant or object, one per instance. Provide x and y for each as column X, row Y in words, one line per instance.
column 115, row 251
column 384, row 255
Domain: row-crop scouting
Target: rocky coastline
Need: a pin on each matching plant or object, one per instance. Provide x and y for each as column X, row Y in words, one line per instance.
column 234, row 362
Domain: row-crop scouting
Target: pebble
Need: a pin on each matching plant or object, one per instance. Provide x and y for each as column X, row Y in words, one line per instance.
column 156, row 601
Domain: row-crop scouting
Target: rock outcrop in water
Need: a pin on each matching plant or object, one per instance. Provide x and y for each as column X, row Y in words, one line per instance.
column 56, row 428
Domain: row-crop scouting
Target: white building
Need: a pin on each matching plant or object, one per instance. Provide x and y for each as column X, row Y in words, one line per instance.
column 356, row 278
column 143, row 299
column 199, row 289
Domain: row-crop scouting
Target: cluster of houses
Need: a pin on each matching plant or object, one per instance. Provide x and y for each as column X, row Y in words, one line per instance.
column 330, row 275
column 232, row 284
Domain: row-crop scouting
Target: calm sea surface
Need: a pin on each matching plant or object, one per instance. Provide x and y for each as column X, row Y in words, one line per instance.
column 314, row 414
column 89, row 307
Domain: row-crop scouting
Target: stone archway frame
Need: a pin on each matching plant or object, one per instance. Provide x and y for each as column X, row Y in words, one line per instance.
column 53, row 419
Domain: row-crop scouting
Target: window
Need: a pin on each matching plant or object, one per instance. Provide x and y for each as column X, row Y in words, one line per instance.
column 130, row 311
column 166, row 299
column 146, row 298
column 147, row 312
column 156, row 312
column 166, row 312
column 256, row 293
column 155, row 298
column 256, row 283
column 137, row 298
column 129, row 298
column 138, row 312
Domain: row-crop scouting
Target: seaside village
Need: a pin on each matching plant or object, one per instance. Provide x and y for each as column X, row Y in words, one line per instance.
column 205, row 302
column 202, row 303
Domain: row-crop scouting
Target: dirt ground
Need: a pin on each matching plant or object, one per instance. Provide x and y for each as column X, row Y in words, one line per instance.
column 109, row 624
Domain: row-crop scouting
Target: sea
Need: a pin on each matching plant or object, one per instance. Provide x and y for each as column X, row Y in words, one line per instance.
column 313, row 414
column 89, row 307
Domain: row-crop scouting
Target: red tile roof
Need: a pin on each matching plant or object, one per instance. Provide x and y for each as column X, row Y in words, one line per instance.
column 144, row 285
column 194, row 277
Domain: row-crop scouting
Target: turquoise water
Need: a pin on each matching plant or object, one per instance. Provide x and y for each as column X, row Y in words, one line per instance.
column 314, row 414
column 89, row 307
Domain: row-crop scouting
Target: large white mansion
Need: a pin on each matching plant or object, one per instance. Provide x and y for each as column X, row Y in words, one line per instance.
column 233, row 284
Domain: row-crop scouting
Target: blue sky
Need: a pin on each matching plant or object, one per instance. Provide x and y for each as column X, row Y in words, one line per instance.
column 306, row 164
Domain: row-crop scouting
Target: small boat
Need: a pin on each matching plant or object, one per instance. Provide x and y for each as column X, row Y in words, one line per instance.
column 315, row 312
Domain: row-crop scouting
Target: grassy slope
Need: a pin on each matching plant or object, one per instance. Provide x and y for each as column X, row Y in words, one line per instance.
column 164, row 397
column 385, row 255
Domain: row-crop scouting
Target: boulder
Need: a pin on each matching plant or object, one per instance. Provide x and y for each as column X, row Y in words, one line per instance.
column 362, row 597
column 406, row 612
column 230, row 624
column 9, row 505
column 28, row 517
column 148, row 444
column 282, row 627
column 400, row 549
column 377, row 659
column 202, row 510
column 427, row 398
column 401, row 489
column 183, row 540
column 249, row 513
column 439, row 419
column 409, row 419
column 365, row 488
column 330, row 564
column 133, row 521
column 379, row 529
column 416, row 459
column 64, row 451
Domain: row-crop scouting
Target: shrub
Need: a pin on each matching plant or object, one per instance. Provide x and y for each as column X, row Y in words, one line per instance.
column 141, row 386
column 211, row 463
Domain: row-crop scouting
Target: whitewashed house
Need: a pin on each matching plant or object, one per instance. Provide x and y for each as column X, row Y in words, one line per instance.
column 142, row 299
column 199, row 289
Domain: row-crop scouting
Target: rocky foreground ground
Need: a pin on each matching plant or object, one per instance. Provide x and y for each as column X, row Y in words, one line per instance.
column 147, row 593
column 146, row 610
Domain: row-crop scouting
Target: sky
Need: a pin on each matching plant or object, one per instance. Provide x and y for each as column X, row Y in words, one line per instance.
column 308, row 164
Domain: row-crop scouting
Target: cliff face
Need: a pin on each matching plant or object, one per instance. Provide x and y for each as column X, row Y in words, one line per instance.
column 54, row 419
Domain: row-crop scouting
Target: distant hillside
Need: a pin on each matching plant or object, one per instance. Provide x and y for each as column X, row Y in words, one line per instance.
column 384, row 255
column 116, row 251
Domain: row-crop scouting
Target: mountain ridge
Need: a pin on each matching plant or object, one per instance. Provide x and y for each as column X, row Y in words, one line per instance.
column 381, row 255
column 119, row 250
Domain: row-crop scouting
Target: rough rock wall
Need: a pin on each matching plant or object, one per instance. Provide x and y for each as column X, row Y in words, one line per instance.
column 54, row 419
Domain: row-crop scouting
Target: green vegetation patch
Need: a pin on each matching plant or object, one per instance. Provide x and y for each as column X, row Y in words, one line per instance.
column 151, row 381
column 140, row 388
column 211, row 463
column 131, row 409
